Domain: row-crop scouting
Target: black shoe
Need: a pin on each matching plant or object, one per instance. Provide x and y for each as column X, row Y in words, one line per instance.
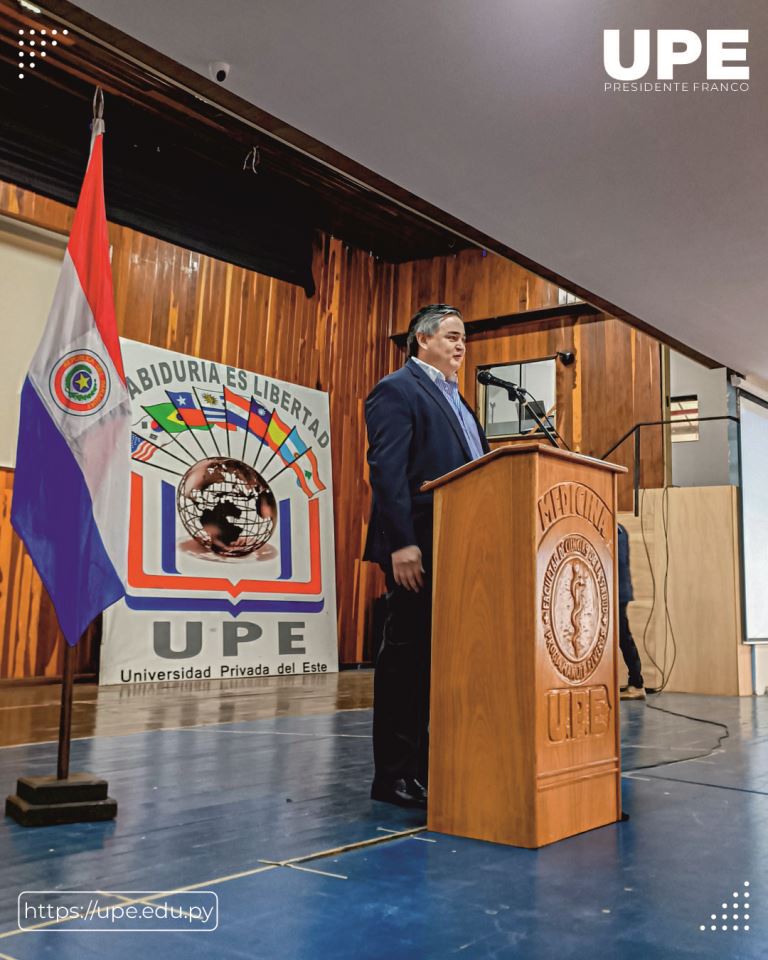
column 406, row 792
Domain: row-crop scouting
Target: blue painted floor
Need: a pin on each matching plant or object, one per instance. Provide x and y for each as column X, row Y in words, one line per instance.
column 200, row 805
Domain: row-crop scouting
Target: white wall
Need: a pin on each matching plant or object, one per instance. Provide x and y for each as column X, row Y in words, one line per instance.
column 760, row 654
column 30, row 260
column 702, row 462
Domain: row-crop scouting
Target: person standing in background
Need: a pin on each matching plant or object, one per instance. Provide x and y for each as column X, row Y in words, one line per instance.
column 636, row 688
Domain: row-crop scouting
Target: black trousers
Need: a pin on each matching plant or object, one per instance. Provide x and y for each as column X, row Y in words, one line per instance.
column 629, row 649
column 401, row 684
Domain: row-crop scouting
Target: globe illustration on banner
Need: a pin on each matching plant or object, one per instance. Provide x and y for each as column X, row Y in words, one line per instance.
column 226, row 506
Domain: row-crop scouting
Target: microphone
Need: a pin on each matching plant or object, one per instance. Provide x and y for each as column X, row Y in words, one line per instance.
column 489, row 380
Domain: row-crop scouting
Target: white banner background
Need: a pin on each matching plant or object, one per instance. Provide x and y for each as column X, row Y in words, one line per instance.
column 193, row 613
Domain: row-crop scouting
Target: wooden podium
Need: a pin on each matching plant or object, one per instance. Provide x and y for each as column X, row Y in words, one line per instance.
column 524, row 723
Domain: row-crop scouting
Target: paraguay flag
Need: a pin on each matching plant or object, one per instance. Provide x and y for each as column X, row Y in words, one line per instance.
column 237, row 409
column 70, row 498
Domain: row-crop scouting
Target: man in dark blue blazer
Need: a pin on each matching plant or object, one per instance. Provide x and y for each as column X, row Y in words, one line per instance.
column 419, row 427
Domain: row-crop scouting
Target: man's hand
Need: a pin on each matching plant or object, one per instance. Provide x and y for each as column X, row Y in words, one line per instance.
column 407, row 569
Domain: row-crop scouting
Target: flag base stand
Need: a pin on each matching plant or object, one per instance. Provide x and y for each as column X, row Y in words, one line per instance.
column 44, row 801
column 65, row 798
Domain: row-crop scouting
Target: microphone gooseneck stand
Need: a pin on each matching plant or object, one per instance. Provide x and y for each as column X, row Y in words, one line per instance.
column 514, row 392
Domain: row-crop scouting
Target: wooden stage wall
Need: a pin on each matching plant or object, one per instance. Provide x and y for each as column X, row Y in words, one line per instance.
column 614, row 383
column 336, row 341
column 168, row 296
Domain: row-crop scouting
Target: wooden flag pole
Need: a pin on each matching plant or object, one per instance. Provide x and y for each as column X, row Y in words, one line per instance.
column 66, row 797
column 65, row 716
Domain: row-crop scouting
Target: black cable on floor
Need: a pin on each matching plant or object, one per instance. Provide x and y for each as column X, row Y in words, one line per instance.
column 656, row 666
column 696, row 756
column 669, row 631
column 665, row 522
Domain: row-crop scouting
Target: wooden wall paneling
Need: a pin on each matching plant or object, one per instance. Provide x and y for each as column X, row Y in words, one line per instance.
column 35, row 209
column 256, row 315
column 405, row 296
column 614, row 383
column 362, row 356
column 480, row 285
column 609, row 408
column 594, row 408
column 611, row 401
column 337, row 341
column 567, row 386
column 637, row 356
column 647, row 368
column 344, row 349
column 577, row 421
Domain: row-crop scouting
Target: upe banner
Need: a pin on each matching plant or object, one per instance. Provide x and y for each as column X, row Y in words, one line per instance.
column 231, row 569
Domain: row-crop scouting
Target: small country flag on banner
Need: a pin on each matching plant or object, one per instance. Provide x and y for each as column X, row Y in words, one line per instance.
column 277, row 432
column 155, row 441
column 311, row 473
column 258, row 419
column 168, row 418
column 189, row 412
column 212, row 405
column 237, row 409
column 142, row 449
column 244, row 413
column 292, row 447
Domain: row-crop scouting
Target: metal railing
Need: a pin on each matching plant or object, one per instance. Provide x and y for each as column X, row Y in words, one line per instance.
column 636, row 430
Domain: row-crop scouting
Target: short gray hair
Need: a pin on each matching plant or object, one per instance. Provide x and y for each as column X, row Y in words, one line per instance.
column 428, row 321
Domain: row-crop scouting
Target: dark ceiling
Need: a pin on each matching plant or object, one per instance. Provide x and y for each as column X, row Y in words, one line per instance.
column 181, row 168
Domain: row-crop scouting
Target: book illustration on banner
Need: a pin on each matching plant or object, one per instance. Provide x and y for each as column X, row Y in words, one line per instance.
column 231, row 561
column 224, row 503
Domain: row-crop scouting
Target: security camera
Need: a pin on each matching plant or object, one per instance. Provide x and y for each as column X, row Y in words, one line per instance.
column 219, row 70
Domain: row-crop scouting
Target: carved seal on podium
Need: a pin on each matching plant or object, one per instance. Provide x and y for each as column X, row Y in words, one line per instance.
column 575, row 608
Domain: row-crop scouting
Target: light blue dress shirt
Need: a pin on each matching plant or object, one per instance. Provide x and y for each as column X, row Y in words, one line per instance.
column 450, row 390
